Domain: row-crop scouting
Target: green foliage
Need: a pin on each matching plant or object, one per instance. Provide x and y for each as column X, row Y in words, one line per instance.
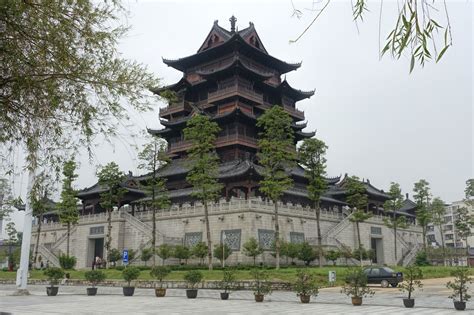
column 181, row 252
column 12, row 233
column 276, row 154
column 422, row 259
column 114, row 255
column 293, row 250
column 251, row 248
column 311, row 155
column 94, row 276
column 6, row 199
column 53, row 274
column 66, row 73
column 164, row 251
column 260, row 284
column 306, row 253
column 132, row 254
column 437, row 211
column 333, row 255
column 356, row 284
column 356, row 196
column 396, row 198
column 360, row 252
column 228, row 282
column 464, row 223
column 305, row 284
column 130, row 273
column 199, row 251
column 459, row 285
column 160, row 272
column 146, row 255
column 222, row 252
column 412, row 276
column 67, row 262
column 41, row 190
column 202, row 158
column 68, row 213
column 193, row 278
column 469, row 191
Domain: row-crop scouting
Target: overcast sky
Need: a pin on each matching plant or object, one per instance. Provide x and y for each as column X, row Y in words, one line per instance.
column 379, row 121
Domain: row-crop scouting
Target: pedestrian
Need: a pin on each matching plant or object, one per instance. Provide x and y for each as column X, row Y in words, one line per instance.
column 41, row 265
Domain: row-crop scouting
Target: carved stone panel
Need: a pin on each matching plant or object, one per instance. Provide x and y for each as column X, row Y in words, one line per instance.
column 232, row 238
column 296, row 237
column 191, row 239
column 266, row 238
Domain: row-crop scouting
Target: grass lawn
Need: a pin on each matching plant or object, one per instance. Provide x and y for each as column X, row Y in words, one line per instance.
column 284, row 274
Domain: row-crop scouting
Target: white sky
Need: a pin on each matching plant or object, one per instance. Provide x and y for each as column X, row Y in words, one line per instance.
column 379, row 121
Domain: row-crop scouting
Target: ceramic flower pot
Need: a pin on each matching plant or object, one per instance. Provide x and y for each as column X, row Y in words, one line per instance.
column 409, row 302
column 224, row 295
column 52, row 291
column 91, row 291
column 356, row 301
column 305, row 298
column 191, row 293
column 160, row 292
column 128, row 291
column 460, row 306
column 259, row 297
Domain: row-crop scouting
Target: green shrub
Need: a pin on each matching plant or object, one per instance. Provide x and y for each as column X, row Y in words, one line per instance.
column 130, row 273
column 159, row 273
column 412, row 276
column 94, row 276
column 67, row 262
column 193, row 277
column 356, row 283
column 228, row 280
column 459, row 285
column 305, row 284
column 422, row 259
column 260, row 284
column 53, row 274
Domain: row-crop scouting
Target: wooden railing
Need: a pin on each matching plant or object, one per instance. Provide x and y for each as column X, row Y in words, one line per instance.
column 220, row 142
column 175, row 108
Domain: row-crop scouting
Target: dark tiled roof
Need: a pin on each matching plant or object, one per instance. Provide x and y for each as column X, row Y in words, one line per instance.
column 407, row 205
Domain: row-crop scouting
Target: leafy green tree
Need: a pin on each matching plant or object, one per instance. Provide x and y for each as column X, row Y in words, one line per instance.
column 422, row 197
column 222, row 252
column 276, row 156
column 394, row 204
column 311, row 155
column 421, row 259
column 293, row 251
column 110, row 177
column 251, row 248
column 114, row 256
column 146, row 255
column 204, row 164
column 438, row 212
column 164, row 251
column 358, row 201
column 199, row 251
column 153, row 157
column 464, row 222
column 182, row 253
column 68, row 213
column 469, row 192
column 12, row 233
column 5, row 199
column 333, row 256
column 306, row 253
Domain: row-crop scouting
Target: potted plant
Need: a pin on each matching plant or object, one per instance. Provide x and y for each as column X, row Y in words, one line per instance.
column 305, row 286
column 412, row 281
column 94, row 277
column 129, row 274
column 160, row 272
column 227, row 283
column 260, row 286
column 192, row 277
column 356, row 286
column 459, row 287
column 53, row 274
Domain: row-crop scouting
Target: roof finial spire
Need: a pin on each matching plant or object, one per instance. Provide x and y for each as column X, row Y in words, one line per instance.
column 232, row 20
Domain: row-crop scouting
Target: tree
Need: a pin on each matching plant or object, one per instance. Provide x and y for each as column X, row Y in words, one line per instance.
column 415, row 30
column 146, row 255
column 422, row 197
column 5, row 199
column 182, row 252
column 357, row 200
column 333, row 255
column 276, row 156
column 199, row 251
column 12, row 233
column 469, row 191
column 222, row 252
column 204, row 164
column 64, row 83
column 438, row 212
column 311, row 156
column 153, row 157
column 110, row 178
column 306, row 253
column 464, row 222
column 293, row 251
column 164, row 252
column 68, row 213
column 251, row 248
column 394, row 204
column 113, row 256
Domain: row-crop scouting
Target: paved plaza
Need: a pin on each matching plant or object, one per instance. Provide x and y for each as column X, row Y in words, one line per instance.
column 73, row 300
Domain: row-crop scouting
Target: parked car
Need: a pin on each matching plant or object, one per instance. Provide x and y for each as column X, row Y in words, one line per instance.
column 384, row 276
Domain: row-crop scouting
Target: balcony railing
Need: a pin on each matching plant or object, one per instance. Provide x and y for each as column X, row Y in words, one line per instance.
column 175, row 108
column 290, row 110
column 236, row 88
column 220, row 142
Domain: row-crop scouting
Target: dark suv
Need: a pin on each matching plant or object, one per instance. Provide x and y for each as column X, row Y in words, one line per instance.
column 384, row 276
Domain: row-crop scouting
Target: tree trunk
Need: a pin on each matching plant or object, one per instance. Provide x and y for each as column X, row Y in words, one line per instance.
column 254, row 260
column 153, row 236
column 38, row 231
column 68, row 238
column 360, row 245
column 395, row 236
column 277, row 237
column 109, row 235
column 442, row 245
column 424, row 237
column 318, row 215
column 208, row 235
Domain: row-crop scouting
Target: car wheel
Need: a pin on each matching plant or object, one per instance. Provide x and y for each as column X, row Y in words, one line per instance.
column 394, row 285
column 384, row 284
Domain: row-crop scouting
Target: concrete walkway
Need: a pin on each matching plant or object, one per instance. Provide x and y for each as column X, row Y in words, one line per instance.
column 73, row 300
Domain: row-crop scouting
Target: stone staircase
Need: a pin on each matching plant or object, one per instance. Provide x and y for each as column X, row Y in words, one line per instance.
column 330, row 236
column 409, row 257
column 61, row 240
column 48, row 255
